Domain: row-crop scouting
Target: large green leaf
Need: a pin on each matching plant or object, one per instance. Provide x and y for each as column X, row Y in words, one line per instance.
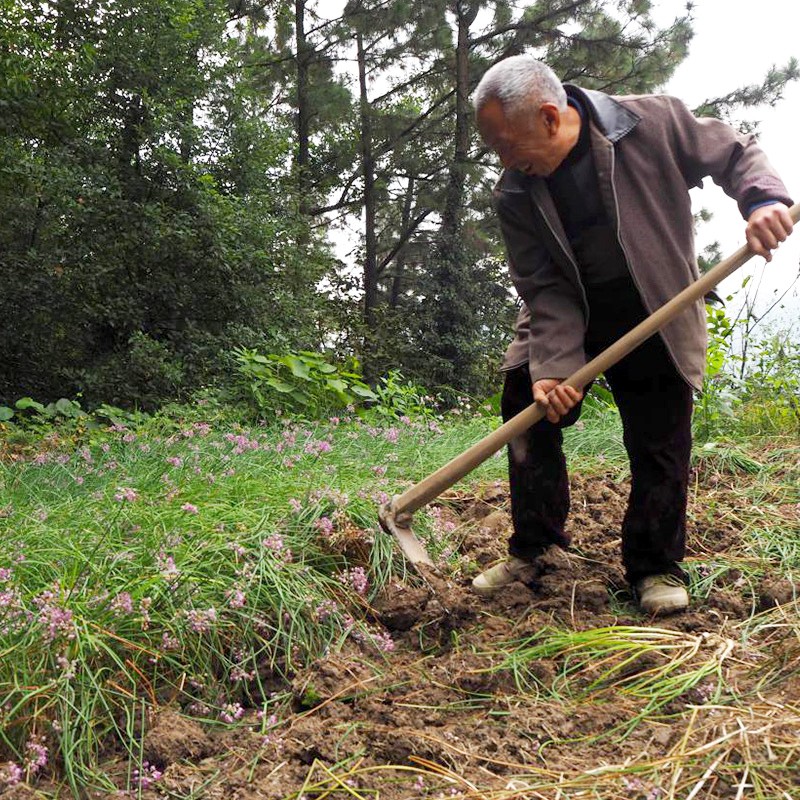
column 69, row 408
column 364, row 391
column 298, row 367
column 279, row 386
column 24, row 403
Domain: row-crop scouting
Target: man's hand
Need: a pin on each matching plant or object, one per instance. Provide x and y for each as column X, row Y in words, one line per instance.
column 557, row 400
column 767, row 227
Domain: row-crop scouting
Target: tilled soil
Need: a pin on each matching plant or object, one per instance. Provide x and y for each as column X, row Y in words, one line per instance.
column 439, row 716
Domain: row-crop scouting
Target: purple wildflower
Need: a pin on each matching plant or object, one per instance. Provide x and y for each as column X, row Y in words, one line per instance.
column 324, row 526
column 122, row 604
column 144, row 610
column 148, row 775
column 325, row 610
column 189, row 508
column 383, row 641
column 231, row 712
column 35, row 755
column 68, row 668
column 392, row 435
column 236, row 598
column 201, row 621
column 167, row 568
column 356, row 579
column 10, row 774
column 274, row 542
column 56, row 620
column 125, row 494
column 269, row 721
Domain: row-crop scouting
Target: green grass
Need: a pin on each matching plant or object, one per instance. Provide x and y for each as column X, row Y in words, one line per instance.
column 186, row 565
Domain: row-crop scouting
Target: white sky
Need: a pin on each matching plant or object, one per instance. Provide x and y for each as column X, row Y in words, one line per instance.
column 734, row 45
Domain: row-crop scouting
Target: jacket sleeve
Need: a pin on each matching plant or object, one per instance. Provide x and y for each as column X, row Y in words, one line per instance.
column 557, row 322
column 709, row 147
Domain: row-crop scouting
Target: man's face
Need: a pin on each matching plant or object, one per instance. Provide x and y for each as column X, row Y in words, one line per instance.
column 528, row 143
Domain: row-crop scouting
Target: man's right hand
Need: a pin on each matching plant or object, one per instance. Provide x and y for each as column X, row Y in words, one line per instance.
column 555, row 398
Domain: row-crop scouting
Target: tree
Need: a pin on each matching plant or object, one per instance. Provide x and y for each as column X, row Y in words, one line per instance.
column 138, row 242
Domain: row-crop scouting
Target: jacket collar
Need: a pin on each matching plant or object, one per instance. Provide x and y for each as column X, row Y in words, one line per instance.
column 613, row 119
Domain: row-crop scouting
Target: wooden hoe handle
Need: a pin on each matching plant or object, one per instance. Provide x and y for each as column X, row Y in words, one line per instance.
column 431, row 487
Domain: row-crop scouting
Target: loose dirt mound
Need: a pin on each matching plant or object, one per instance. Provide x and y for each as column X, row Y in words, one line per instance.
column 455, row 713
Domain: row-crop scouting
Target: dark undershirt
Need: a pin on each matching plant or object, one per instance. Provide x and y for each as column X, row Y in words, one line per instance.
column 576, row 195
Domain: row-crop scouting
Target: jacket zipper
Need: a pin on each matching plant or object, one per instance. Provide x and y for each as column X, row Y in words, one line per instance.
column 573, row 264
column 619, row 228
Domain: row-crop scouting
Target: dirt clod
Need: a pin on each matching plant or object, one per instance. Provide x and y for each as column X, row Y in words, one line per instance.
column 399, row 607
column 775, row 593
column 173, row 738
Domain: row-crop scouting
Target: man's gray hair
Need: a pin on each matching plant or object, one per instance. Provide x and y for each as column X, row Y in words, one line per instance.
column 519, row 83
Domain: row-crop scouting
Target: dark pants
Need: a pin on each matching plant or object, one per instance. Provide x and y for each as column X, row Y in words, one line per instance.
column 655, row 404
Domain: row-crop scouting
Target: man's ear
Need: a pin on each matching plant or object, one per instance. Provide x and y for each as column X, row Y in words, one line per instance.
column 551, row 117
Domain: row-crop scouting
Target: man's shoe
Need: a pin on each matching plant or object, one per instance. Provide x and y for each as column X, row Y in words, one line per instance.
column 500, row 575
column 662, row 594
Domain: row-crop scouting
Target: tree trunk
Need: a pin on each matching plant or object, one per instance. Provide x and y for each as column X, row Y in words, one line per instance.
column 303, row 118
column 454, row 199
column 368, row 171
column 400, row 260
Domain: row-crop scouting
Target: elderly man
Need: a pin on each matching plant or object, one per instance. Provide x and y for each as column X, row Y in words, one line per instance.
column 595, row 213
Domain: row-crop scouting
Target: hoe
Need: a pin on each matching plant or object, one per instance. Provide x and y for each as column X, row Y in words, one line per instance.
column 395, row 516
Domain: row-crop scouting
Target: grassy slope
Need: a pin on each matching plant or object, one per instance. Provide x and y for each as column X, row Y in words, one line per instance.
column 199, row 563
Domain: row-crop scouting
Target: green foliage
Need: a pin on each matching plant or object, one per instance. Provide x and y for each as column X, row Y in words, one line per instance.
column 166, row 169
column 32, row 414
column 771, row 392
column 396, row 397
column 136, row 232
column 716, row 403
column 302, row 383
column 752, row 382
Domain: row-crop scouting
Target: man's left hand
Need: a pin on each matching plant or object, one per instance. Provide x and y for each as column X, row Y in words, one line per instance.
column 767, row 227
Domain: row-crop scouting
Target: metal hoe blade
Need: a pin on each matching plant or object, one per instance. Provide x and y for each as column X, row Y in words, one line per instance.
column 399, row 526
